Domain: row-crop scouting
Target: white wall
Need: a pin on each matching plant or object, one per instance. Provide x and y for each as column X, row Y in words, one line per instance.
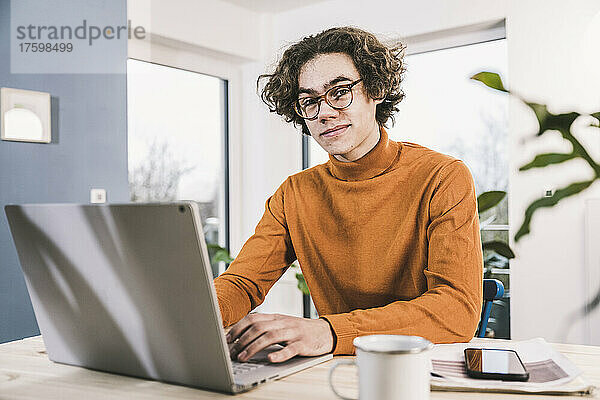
column 210, row 24
column 272, row 151
column 553, row 58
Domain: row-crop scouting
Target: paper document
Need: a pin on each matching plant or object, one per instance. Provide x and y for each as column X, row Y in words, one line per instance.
column 549, row 371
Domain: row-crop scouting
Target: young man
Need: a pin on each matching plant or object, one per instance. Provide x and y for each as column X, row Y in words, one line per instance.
column 386, row 233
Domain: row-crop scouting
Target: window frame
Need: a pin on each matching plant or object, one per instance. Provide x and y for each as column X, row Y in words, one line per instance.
column 455, row 37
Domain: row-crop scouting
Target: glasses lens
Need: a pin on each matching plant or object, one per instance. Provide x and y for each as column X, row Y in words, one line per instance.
column 308, row 107
column 339, row 97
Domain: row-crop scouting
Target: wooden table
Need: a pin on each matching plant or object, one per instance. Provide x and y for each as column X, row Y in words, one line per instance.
column 27, row 373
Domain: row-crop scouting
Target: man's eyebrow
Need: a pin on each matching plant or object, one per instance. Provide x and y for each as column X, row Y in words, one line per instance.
column 326, row 86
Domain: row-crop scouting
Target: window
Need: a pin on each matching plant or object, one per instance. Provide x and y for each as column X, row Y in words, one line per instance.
column 177, row 136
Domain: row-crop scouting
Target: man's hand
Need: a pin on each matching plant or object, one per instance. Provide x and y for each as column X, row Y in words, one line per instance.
column 299, row 336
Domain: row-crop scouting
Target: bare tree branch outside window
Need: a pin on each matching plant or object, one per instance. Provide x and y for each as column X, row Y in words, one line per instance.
column 157, row 177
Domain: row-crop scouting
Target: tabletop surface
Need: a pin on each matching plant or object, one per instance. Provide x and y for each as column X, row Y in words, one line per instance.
column 27, row 373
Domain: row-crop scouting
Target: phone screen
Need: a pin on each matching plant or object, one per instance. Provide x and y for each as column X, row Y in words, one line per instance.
column 494, row 361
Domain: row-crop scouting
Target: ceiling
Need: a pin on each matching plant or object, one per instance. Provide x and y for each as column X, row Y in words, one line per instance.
column 273, row 6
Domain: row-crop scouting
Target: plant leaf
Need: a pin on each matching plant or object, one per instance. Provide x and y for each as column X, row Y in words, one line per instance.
column 490, row 79
column 592, row 304
column 499, row 247
column 542, row 160
column 597, row 116
column 495, row 261
column 560, row 194
column 218, row 254
column 222, row 255
column 548, row 121
column 490, row 199
column 302, row 284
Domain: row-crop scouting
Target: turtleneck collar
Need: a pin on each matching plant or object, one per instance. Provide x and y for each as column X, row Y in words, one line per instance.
column 372, row 164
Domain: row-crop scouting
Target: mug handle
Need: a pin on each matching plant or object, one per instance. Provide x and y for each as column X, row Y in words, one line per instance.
column 337, row 364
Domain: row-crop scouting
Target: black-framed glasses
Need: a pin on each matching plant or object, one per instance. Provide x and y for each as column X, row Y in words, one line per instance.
column 337, row 97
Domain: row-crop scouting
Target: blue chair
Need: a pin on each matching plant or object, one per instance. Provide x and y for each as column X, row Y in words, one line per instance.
column 493, row 289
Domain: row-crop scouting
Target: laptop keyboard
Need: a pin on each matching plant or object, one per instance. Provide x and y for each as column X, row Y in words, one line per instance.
column 245, row 367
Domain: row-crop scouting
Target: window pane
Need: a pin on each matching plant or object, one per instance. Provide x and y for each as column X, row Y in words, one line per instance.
column 448, row 112
column 176, row 140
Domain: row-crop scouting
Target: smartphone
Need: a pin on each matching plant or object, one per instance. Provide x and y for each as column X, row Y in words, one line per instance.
column 498, row 364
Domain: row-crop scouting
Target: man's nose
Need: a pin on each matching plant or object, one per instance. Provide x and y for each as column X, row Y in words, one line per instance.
column 327, row 112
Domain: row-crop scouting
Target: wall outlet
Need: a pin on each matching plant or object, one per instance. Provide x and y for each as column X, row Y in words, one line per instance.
column 98, row 196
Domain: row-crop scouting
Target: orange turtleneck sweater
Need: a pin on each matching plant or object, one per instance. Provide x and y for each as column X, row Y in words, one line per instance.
column 388, row 244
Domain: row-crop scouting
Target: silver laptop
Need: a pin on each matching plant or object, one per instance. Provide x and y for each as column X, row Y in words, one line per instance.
column 127, row 288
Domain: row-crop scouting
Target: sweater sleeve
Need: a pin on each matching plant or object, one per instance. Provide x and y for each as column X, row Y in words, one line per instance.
column 450, row 308
column 263, row 259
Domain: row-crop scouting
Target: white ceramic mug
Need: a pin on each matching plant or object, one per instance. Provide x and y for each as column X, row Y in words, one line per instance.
column 390, row 367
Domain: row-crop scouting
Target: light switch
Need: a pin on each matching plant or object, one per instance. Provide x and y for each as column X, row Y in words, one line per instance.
column 98, row 196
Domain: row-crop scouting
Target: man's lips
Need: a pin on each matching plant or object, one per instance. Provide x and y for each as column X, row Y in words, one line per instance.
column 335, row 130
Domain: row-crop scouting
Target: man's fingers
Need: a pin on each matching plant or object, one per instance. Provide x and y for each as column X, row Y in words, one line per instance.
column 284, row 354
column 240, row 327
column 254, row 331
column 300, row 336
column 265, row 340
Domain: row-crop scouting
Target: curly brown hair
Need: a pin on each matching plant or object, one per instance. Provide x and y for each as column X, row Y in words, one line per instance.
column 381, row 67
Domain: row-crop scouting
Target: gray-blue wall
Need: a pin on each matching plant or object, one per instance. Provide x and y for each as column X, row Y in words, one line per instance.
column 88, row 149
